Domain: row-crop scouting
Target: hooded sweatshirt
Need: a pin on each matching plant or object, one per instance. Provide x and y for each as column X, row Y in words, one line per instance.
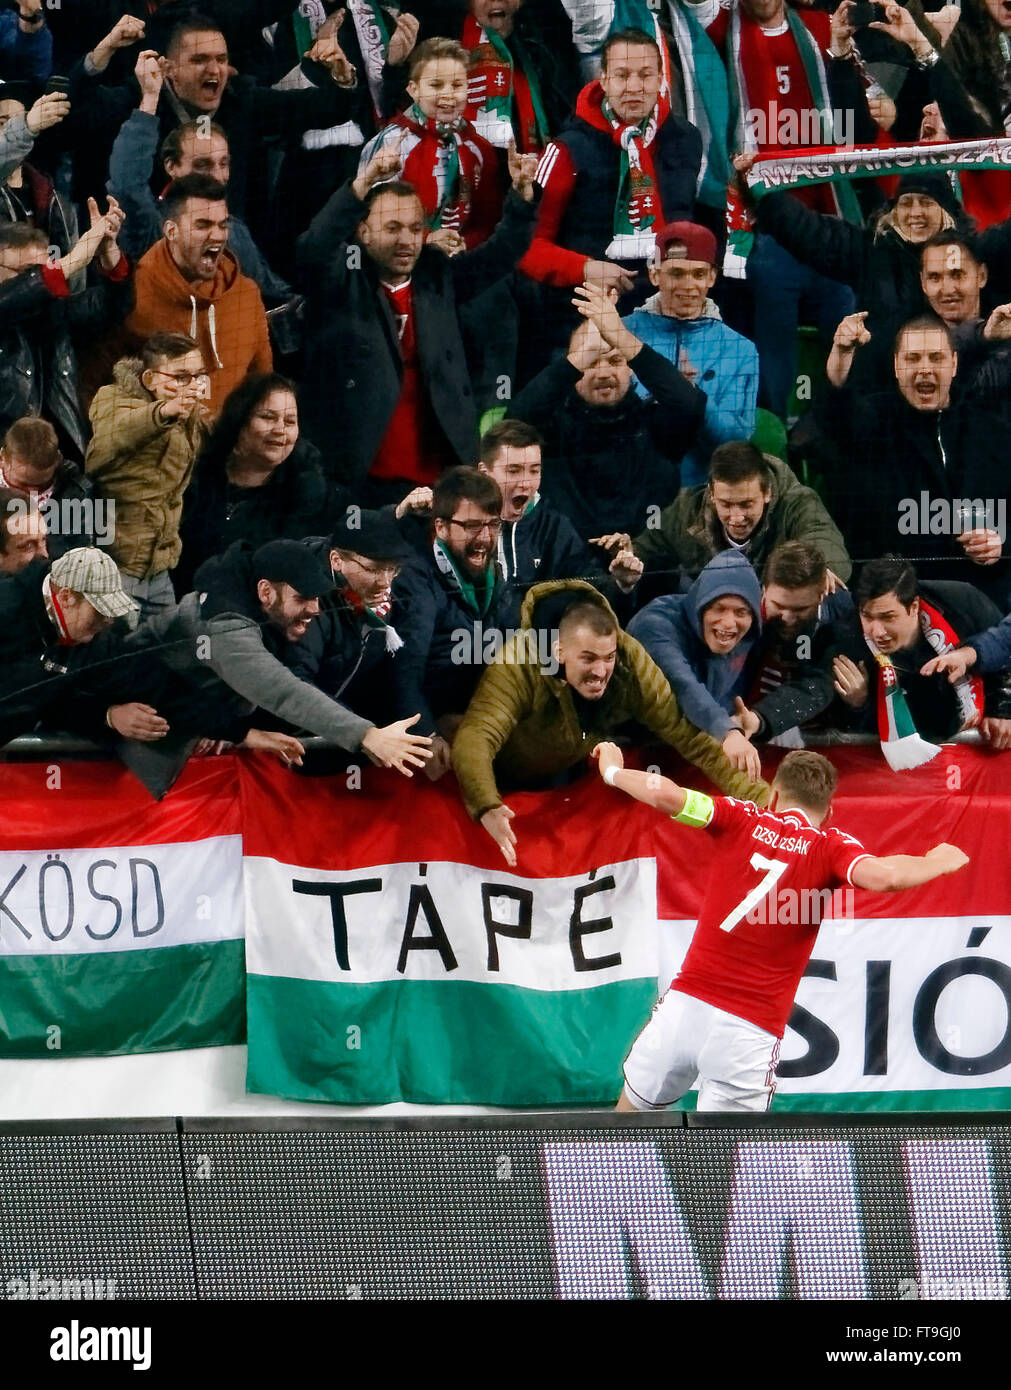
column 726, row 370
column 241, row 668
column 225, row 316
column 670, row 629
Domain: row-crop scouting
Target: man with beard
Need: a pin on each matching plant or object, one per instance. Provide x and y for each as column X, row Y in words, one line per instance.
column 449, row 605
column 388, row 393
column 190, row 283
column 934, row 463
column 792, row 681
column 613, row 454
column 349, row 650
column 537, row 713
column 226, row 644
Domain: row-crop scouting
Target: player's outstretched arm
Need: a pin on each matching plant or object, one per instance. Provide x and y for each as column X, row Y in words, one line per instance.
column 897, row 871
column 650, row 787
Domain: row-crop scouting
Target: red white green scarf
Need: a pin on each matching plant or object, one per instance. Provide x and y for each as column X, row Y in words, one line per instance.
column 741, row 55
column 443, row 164
column 637, row 208
column 374, row 618
column 372, row 30
column 495, row 82
column 900, row 742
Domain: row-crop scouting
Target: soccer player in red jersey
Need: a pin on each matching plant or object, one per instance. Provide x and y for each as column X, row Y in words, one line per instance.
column 723, row 1018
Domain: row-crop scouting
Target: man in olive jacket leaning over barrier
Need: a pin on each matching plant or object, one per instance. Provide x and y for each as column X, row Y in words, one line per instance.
column 538, row 712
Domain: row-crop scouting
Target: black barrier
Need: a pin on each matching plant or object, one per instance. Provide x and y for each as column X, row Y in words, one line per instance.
column 561, row 1206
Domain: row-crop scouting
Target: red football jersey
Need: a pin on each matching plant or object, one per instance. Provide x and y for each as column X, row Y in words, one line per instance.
column 762, row 909
column 778, row 91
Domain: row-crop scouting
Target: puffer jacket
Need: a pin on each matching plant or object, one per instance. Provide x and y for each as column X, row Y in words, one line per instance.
column 143, row 462
column 523, row 725
column 690, row 532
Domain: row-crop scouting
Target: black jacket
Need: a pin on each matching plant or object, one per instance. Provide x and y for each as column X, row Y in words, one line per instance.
column 248, row 114
column 607, row 465
column 806, row 690
column 38, row 364
column 354, row 367
column 932, row 700
column 446, row 641
column 226, row 660
column 882, row 268
column 587, row 226
column 541, row 545
column 77, row 28
column 293, row 502
column 888, row 458
column 68, row 688
column 345, row 656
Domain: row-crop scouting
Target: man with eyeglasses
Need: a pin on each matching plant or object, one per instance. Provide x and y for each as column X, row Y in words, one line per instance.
column 349, row 650
column 449, row 606
column 148, row 428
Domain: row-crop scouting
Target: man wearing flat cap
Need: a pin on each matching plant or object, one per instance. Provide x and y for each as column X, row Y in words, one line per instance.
column 684, row 325
column 63, row 659
column 349, row 650
column 229, row 639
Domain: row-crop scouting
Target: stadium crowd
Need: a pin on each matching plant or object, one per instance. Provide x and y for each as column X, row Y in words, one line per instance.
column 431, row 377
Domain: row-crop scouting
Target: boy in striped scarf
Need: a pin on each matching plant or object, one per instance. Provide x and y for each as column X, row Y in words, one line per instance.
column 452, row 168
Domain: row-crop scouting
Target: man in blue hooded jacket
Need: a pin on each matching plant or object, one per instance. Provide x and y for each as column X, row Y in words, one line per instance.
column 706, row 642
column 683, row 324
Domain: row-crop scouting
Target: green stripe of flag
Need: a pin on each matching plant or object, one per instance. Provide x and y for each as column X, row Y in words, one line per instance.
column 123, row 1001
column 896, row 1102
column 442, row 1041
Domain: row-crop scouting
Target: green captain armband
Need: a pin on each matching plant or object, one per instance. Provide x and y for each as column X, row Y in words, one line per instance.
column 697, row 810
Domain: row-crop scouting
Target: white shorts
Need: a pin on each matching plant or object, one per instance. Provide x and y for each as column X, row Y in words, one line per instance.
column 686, row 1039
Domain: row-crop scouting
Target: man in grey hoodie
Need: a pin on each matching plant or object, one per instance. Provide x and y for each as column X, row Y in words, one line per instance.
column 225, row 643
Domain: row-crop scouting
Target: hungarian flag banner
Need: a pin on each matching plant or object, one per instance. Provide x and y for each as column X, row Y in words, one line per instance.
column 120, row 917
column 395, row 957
column 776, row 171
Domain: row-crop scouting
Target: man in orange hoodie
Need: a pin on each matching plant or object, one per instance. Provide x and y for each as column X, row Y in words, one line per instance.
column 189, row 282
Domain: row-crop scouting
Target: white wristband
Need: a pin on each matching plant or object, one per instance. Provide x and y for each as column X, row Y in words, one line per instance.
column 610, row 774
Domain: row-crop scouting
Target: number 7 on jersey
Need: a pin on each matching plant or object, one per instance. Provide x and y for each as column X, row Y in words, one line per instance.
column 774, row 871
